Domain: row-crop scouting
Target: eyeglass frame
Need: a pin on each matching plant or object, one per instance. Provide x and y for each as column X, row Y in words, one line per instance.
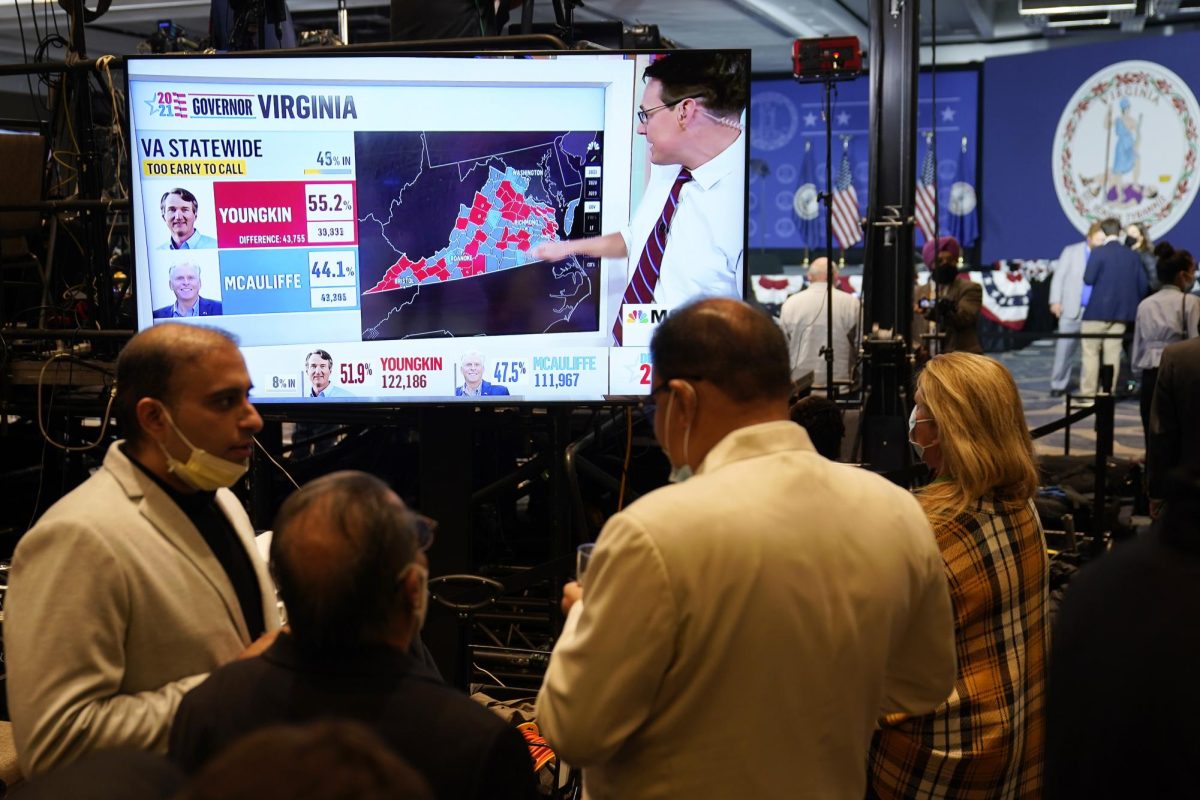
column 643, row 114
column 667, row 383
column 425, row 528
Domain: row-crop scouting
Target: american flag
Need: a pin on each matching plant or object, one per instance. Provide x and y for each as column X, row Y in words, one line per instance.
column 926, row 195
column 847, row 226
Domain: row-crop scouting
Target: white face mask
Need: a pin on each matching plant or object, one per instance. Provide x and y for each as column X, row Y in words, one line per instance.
column 912, row 424
column 202, row 471
column 683, row 472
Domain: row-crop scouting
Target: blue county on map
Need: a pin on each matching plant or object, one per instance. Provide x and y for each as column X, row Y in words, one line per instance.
column 447, row 221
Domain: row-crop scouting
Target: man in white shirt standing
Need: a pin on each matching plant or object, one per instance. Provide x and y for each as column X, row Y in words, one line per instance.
column 1066, row 303
column 803, row 318
column 738, row 635
column 685, row 239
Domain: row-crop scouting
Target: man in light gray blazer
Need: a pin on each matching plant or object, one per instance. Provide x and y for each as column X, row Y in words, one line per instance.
column 137, row 584
column 1066, row 303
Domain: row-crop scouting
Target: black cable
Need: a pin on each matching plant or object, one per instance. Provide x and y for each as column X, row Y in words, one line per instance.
column 37, row 32
column 25, row 56
column 41, row 55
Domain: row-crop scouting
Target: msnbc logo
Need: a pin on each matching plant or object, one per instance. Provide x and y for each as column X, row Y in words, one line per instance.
column 637, row 316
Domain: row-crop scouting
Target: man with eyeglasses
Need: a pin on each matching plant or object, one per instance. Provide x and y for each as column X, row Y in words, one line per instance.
column 349, row 560
column 685, row 239
column 740, row 633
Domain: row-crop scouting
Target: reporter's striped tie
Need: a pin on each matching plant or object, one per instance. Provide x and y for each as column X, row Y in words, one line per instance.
column 645, row 277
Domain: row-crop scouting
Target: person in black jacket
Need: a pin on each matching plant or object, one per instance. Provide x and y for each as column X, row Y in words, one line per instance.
column 349, row 561
column 1122, row 698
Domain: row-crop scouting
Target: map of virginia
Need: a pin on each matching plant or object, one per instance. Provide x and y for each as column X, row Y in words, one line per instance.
column 446, row 225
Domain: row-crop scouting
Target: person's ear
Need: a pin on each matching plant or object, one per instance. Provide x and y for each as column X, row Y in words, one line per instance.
column 685, row 399
column 687, row 111
column 415, row 584
column 151, row 417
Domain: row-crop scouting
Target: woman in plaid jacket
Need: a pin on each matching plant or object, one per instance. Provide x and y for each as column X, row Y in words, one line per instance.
column 987, row 739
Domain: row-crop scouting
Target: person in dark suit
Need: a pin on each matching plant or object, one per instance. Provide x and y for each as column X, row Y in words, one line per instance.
column 120, row 774
column 956, row 311
column 185, row 283
column 1118, row 284
column 349, row 561
column 1174, row 418
column 326, row 759
column 473, row 383
column 1125, row 660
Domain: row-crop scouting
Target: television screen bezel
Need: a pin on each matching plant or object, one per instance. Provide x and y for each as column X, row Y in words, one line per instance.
column 361, row 408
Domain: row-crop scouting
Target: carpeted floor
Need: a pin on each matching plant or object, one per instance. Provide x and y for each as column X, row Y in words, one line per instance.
column 1031, row 368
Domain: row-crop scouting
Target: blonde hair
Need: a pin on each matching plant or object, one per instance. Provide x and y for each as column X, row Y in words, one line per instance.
column 985, row 444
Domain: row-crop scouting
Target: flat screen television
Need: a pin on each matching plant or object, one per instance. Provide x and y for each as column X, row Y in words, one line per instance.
column 366, row 225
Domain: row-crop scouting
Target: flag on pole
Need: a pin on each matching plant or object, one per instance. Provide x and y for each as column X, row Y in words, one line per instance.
column 847, row 222
column 807, row 202
column 926, row 196
column 964, row 221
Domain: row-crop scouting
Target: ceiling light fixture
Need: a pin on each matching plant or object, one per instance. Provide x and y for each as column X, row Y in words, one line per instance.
column 1080, row 21
column 1035, row 7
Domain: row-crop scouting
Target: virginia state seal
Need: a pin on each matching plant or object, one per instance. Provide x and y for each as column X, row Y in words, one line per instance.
column 1126, row 147
column 775, row 121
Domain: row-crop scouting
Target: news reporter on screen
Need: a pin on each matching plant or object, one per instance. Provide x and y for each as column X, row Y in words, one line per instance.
column 685, row 238
column 185, row 285
column 178, row 207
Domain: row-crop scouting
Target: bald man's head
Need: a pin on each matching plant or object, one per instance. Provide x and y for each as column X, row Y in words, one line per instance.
column 728, row 343
column 151, row 362
column 341, row 544
column 818, row 270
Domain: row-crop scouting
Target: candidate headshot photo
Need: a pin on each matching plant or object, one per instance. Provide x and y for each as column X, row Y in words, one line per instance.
column 473, row 383
column 179, row 207
column 318, row 365
column 185, row 281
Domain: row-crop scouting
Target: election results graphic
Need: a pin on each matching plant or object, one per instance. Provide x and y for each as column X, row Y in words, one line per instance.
column 368, row 227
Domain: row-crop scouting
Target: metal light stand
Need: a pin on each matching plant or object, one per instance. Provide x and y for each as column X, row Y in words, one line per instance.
column 827, row 198
column 887, row 271
column 827, row 60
